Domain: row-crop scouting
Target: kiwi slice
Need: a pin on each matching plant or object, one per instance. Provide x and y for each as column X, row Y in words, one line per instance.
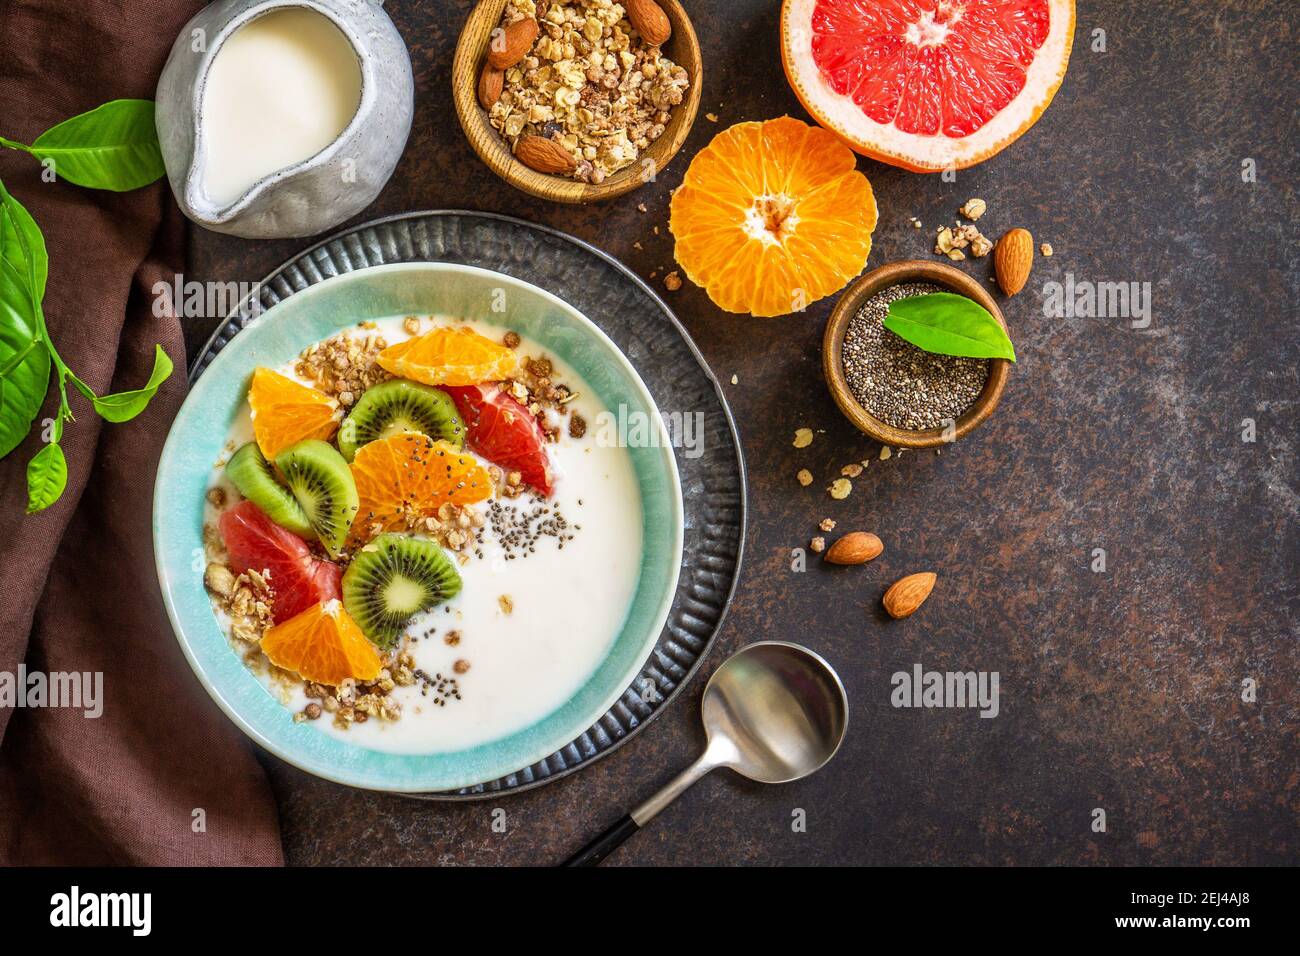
column 393, row 578
column 322, row 484
column 250, row 472
column 399, row 406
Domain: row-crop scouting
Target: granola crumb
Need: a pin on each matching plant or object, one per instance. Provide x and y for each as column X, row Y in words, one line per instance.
column 803, row 437
column 577, row 426
column 805, row 477
column 827, row 524
column 840, row 488
column 711, row 117
column 974, row 208
column 411, row 325
column 511, row 339
column 451, row 638
column 817, row 545
column 735, row 380
column 851, row 470
column 1046, row 250
column 885, row 452
column 507, row 606
column 461, row 666
column 672, row 282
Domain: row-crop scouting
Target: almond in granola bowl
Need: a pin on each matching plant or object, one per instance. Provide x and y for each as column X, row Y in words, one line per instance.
column 590, row 83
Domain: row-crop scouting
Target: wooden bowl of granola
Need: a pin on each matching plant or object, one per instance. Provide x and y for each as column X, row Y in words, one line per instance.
column 612, row 136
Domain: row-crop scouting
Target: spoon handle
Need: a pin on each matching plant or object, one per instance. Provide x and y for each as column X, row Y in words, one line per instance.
column 605, row 844
column 612, row 838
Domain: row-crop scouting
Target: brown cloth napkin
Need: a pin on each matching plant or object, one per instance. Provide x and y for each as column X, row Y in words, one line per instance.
column 161, row 777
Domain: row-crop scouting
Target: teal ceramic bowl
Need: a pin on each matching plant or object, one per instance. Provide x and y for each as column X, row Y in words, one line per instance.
column 196, row 442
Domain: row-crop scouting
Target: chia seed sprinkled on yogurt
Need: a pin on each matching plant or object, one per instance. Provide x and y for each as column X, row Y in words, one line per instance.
column 900, row 384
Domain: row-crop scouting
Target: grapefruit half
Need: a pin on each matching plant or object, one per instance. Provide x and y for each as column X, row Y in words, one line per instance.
column 927, row 85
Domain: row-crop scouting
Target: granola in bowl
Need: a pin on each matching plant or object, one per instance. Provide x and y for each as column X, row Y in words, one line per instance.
column 590, row 83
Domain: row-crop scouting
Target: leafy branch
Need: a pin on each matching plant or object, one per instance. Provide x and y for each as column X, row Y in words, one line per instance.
column 112, row 147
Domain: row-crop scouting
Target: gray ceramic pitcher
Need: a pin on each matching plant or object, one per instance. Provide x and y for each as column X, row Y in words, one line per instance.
column 314, row 195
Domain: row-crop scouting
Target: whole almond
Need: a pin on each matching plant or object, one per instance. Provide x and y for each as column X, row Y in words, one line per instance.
column 650, row 21
column 1012, row 259
column 544, row 155
column 907, row 594
column 856, row 547
column 508, row 47
column 490, row 84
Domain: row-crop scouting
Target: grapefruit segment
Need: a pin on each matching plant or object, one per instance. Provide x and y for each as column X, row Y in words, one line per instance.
column 927, row 84
column 503, row 432
column 297, row 578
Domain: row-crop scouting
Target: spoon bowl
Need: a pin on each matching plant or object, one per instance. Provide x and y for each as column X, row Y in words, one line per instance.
column 782, row 708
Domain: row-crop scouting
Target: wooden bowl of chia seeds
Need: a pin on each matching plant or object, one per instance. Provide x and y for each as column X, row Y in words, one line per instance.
column 890, row 389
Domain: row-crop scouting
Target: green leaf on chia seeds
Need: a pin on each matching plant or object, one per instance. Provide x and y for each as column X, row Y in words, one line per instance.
column 949, row 324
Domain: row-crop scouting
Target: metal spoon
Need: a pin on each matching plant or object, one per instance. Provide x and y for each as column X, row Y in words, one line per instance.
column 773, row 712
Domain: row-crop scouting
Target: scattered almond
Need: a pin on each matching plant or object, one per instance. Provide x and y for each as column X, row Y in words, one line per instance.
column 650, row 21
column 490, row 84
column 544, row 155
column 509, row 46
column 1013, row 257
column 907, row 594
column 856, row 547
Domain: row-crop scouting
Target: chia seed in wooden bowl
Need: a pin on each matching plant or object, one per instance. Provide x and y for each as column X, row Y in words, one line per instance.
column 899, row 383
column 892, row 391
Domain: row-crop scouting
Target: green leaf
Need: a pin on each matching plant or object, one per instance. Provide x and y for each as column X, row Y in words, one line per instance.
column 949, row 324
column 114, row 146
column 47, row 476
column 124, row 406
column 24, row 358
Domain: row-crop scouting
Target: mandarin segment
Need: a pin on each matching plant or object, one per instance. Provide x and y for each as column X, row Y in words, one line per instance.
column 772, row 217
column 449, row 356
column 322, row 644
column 286, row 412
column 409, row 477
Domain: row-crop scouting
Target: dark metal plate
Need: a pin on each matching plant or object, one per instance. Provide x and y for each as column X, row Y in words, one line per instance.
column 638, row 321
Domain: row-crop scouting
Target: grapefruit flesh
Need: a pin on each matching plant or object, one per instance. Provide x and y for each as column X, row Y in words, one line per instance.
column 297, row 578
column 501, row 430
column 927, row 84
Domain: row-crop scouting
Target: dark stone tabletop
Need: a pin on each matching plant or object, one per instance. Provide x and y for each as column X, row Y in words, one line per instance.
column 1168, row 159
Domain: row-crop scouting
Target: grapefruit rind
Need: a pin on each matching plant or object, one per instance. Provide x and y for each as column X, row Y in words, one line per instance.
column 923, row 153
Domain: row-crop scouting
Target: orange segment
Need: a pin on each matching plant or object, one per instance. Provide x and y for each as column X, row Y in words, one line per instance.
column 449, row 356
column 772, row 217
column 322, row 644
column 286, row 412
column 409, row 476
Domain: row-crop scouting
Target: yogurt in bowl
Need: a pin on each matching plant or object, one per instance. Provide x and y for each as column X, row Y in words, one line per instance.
column 564, row 576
